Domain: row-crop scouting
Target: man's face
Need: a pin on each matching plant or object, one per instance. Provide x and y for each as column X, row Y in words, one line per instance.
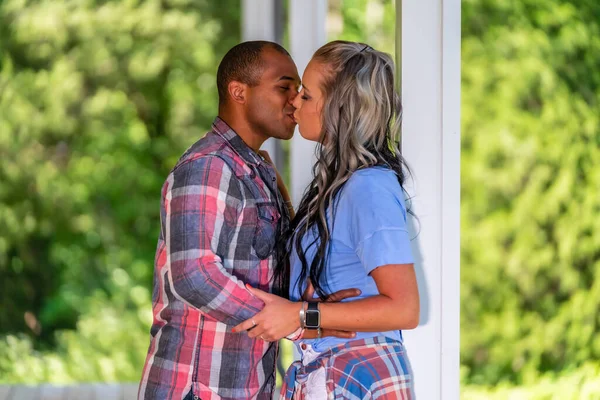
column 269, row 108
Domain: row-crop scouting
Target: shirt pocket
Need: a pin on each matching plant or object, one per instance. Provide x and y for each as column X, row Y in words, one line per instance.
column 265, row 235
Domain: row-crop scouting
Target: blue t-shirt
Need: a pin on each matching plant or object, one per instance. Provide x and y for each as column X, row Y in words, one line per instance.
column 369, row 231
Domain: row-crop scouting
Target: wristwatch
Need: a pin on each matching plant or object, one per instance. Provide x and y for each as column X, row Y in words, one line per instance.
column 313, row 316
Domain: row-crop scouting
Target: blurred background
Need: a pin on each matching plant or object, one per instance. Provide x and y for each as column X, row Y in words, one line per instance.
column 98, row 99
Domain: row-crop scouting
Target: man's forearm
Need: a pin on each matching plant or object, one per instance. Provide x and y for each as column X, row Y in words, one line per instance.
column 206, row 285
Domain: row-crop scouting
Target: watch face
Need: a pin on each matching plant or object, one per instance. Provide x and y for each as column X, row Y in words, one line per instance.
column 312, row 319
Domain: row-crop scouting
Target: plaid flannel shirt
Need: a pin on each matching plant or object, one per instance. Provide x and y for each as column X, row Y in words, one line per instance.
column 374, row 368
column 220, row 215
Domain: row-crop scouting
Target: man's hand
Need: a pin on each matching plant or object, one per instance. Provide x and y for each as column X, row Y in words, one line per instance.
column 309, row 294
column 312, row 334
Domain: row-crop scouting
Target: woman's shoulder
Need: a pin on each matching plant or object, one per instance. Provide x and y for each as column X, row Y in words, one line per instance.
column 373, row 178
column 371, row 185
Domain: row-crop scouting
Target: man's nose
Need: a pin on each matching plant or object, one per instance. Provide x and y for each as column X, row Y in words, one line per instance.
column 293, row 100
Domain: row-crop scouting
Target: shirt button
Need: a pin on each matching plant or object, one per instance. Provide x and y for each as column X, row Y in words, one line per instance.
column 303, row 346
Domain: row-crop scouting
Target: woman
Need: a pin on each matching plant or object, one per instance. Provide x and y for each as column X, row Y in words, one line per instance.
column 350, row 231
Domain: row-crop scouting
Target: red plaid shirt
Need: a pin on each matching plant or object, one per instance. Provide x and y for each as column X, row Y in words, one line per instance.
column 220, row 215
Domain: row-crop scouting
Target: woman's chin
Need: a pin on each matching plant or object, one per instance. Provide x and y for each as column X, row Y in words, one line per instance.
column 312, row 138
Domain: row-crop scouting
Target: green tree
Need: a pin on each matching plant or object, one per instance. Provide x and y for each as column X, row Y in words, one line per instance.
column 366, row 21
column 97, row 101
column 530, row 188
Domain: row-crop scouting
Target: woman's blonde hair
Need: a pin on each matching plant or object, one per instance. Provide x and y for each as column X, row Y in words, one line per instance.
column 361, row 122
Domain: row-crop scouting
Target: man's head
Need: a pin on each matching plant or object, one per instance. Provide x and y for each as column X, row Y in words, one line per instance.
column 257, row 82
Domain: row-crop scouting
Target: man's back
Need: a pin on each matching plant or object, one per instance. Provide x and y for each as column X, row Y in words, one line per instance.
column 220, row 216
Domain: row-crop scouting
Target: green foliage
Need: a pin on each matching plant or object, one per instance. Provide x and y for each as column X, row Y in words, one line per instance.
column 583, row 384
column 366, row 21
column 109, row 345
column 97, row 101
column 530, row 184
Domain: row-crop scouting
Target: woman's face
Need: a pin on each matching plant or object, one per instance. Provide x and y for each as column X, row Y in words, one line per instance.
column 309, row 102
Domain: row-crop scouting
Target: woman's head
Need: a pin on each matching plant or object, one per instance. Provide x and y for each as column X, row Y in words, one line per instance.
column 348, row 95
column 350, row 106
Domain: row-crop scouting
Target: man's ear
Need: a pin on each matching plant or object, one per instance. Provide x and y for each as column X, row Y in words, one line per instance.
column 238, row 91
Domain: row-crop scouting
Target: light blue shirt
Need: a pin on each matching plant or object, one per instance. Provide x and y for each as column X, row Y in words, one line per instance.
column 369, row 231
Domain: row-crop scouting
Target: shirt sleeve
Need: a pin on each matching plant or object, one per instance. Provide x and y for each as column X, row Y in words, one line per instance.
column 378, row 222
column 202, row 202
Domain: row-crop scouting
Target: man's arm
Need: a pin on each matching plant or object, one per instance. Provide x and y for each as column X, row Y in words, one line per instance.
column 203, row 201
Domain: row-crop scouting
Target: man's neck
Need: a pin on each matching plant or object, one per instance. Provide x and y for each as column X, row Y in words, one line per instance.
column 243, row 130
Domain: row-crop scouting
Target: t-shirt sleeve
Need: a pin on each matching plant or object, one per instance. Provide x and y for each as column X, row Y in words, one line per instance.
column 378, row 230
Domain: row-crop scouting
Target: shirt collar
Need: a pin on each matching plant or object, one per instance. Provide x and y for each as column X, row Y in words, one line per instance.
column 221, row 128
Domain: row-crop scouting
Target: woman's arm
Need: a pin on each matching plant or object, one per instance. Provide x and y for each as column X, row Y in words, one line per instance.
column 395, row 307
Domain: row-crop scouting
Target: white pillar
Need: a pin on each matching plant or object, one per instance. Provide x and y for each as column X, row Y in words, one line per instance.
column 258, row 20
column 259, row 23
column 430, row 57
column 307, row 34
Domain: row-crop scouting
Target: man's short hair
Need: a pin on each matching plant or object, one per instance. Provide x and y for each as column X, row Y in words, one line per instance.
column 243, row 63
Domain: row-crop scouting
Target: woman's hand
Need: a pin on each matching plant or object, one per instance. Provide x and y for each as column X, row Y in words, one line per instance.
column 278, row 319
column 281, row 317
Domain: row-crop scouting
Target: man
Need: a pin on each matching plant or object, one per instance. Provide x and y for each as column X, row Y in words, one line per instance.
column 221, row 214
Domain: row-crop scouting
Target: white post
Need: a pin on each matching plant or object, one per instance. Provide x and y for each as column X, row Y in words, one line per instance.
column 307, row 34
column 258, row 20
column 430, row 64
column 258, row 23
